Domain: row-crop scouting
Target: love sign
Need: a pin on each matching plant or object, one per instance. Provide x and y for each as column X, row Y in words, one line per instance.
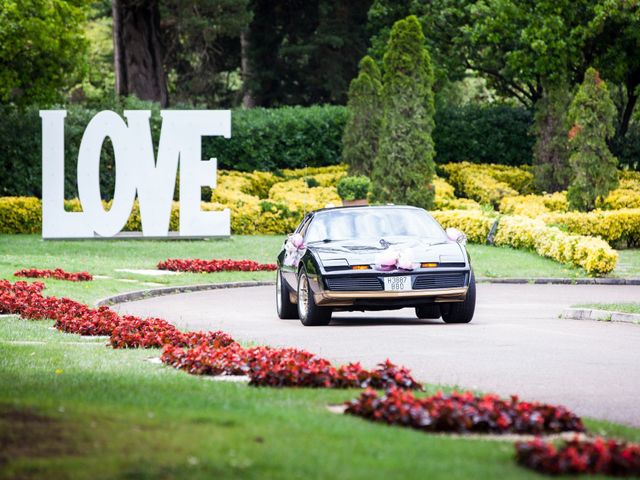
column 138, row 173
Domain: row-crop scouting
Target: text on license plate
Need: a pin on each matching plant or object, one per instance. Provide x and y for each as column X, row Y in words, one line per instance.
column 397, row 284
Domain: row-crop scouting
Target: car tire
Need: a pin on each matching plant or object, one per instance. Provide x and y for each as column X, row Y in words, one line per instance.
column 286, row 310
column 428, row 311
column 310, row 314
column 462, row 312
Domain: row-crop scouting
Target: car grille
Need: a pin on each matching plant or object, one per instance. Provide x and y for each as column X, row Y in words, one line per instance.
column 351, row 284
column 443, row 280
column 420, row 282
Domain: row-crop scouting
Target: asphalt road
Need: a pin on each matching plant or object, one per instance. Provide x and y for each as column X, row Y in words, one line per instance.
column 515, row 344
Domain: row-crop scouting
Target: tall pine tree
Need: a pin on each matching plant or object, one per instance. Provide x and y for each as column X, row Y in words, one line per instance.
column 360, row 140
column 592, row 114
column 551, row 150
column 404, row 167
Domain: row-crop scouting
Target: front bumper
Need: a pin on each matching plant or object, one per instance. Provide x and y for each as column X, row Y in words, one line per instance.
column 366, row 290
column 328, row 298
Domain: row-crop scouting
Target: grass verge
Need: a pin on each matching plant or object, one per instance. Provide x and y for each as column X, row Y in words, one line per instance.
column 77, row 409
column 633, row 307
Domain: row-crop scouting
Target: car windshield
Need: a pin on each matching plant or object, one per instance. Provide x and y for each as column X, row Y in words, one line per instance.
column 373, row 223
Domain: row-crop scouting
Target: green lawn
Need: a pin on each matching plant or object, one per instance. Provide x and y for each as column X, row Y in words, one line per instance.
column 73, row 408
column 106, row 256
column 613, row 307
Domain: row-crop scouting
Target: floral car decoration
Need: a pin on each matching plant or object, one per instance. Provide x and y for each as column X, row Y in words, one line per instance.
column 294, row 249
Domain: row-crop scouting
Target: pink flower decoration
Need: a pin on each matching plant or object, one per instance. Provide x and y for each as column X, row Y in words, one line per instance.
column 386, row 260
column 297, row 240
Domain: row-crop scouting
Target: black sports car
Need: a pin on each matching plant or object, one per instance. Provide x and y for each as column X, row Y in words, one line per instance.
column 374, row 258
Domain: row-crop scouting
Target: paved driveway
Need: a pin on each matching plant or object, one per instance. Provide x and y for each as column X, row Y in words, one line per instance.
column 515, row 344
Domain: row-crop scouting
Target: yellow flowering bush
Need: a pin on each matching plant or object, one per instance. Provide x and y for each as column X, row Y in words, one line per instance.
column 297, row 195
column 338, row 171
column 474, row 223
column 262, row 202
column 444, row 190
column 476, row 184
column 627, row 195
column 488, row 183
column 534, row 205
column 612, row 225
column 20, row 215
column 593, row 254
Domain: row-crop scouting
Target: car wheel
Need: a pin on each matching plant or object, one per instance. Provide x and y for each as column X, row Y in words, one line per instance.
column 309, row 313
column 462, row 312
column 284, row 307
column 428, row 311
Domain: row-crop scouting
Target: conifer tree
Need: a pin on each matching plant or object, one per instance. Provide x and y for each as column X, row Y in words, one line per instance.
column 360, row 139
column 404, row 167
column 594, row 168
column 551, row 150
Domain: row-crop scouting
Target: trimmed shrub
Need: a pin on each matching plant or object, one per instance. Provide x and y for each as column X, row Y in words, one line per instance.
column 534, row 205
column 354, row 188
column 487, row 184
column 475, row 224
column 445, row 198
column 364, row 112
column 593, row 254
column 20, row 215
column 404, row 168
column 616, row 226
column 626, row 196
column 593, row 115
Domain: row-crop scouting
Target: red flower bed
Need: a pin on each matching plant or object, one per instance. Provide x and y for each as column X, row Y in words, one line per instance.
column 463, row 412
column 58, row 274
column 598, row 456
column 134, row 332
column 284, row 367
column 211, row 353
column 209, row 266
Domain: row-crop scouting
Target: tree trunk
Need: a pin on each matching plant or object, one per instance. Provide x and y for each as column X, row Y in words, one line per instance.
column 632, row 98
column 137, row 50
column 247, row 99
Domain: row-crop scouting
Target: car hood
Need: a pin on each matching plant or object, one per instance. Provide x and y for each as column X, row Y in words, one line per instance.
column 364, row 252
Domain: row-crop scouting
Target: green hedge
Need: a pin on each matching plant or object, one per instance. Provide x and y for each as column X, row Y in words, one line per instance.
column 267, row 139
column 287, row 137
column 483, row 134
column 262, row 139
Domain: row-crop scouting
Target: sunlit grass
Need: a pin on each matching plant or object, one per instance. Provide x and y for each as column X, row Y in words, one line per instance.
column 116, row 415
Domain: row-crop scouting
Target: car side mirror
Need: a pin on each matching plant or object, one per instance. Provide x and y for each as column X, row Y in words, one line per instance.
column 456, row 235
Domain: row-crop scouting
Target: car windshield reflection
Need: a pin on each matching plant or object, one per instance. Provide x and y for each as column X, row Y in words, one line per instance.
column 373, row 223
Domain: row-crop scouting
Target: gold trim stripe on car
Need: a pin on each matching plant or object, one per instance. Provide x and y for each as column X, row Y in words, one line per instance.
column 443, row 294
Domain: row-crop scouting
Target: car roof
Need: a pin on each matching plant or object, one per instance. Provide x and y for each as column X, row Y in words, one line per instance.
column 362, row 207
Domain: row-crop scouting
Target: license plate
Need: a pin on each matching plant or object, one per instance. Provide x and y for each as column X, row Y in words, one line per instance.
column 397, row 284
